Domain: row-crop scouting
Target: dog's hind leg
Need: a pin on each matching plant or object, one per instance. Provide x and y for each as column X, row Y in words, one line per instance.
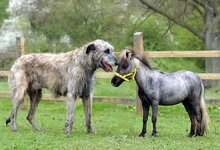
column 35, row 96
column 87, row 104
column 17, row 98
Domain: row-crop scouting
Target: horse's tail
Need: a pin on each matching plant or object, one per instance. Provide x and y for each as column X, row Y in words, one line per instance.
column 204, row 113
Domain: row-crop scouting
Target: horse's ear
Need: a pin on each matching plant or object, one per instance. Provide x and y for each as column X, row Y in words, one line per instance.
column 90, row 47
column 129, row 55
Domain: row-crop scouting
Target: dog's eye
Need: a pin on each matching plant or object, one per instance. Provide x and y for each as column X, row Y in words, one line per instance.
column 107, row 51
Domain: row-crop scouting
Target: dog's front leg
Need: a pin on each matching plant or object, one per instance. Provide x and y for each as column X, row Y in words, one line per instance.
column 87, row 104
column 70, row 107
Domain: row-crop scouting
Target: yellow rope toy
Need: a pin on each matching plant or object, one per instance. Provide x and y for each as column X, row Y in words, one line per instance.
column 129, row 76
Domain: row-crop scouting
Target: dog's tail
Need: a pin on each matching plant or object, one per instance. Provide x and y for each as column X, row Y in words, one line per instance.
column 204, row 113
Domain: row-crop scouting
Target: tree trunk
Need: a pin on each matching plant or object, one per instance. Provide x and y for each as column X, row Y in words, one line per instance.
column 212, row 41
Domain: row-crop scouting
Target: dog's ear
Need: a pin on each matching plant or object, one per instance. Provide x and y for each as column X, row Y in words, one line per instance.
column 90, row 47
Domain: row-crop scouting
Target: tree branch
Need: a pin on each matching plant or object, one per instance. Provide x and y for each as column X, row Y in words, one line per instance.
column 198, row 9
column 197, row 33
column 137, row 23
column 200, row 2
column 195, row 6
column 168, row 28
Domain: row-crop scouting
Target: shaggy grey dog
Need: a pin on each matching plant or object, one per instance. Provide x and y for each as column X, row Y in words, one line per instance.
column 69, row 74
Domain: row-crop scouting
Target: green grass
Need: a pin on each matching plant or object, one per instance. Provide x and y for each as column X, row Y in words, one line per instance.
column 103, row 87
column 175, row 64
column 4, row 85
column 117, row 127
column 213, row 93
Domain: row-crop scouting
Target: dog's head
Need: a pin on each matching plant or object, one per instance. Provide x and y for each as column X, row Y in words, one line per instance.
column 102, row 53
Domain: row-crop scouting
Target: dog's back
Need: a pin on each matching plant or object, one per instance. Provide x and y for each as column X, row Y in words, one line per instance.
column 36, row 71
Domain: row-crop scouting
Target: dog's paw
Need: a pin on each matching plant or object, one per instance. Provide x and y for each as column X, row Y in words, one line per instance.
column 68, row 131
column 91, row 131
column 38, row 129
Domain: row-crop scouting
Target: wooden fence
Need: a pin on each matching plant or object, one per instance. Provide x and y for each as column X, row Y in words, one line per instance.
column 138, row 46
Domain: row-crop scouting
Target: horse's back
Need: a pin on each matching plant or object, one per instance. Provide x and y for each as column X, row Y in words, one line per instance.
column 179, row 86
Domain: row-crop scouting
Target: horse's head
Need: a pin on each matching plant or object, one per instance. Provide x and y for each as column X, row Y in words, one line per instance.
column 126, row 69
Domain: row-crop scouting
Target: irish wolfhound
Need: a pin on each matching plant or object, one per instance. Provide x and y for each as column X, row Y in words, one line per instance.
column 69, row 74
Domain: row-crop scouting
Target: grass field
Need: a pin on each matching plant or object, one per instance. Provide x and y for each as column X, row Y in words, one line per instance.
column 117, row 127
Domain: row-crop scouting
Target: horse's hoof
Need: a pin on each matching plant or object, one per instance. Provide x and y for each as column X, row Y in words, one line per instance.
column 200, row 134
column 154, row 134
column 191, row 135
column 142, row 135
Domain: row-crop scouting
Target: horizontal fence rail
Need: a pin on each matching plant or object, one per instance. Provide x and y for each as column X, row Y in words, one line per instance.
column 8, row 55
column 116, row 100
column 104, row 75
column 189, row 54
column 186, row 54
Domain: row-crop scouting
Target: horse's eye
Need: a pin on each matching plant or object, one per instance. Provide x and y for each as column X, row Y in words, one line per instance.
column 107, row 51
column 124, row 66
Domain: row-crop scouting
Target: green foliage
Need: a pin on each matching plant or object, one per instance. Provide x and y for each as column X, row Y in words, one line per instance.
column 175, row 64
column 117, row 127
column 84, row 21
column 114, row 21
column 3, row 13
column 185, row 40
column 156, row 37
column 154, row 29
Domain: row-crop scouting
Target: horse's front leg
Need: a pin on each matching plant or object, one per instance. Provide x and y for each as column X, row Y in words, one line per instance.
column 154, row 117
column 145, row 118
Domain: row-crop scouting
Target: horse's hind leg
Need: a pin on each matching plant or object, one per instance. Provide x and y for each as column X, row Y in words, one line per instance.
column 198, row 119
column 35, row 96
column 195, row 105
column 192, row 117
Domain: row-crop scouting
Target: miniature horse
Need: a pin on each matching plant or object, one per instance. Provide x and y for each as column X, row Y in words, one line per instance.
column 158, row 88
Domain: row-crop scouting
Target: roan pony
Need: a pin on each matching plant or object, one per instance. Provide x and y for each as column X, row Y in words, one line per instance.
column 158, row 88
column 69, row 74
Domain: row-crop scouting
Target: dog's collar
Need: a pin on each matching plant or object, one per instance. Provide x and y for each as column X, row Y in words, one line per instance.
column 129, row 76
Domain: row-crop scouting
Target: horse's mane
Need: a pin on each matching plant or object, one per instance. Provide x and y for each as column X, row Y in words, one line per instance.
column 142, row 58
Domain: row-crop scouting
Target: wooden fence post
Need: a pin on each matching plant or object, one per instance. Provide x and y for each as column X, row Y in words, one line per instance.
column 138, row 47
column 21, row 51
